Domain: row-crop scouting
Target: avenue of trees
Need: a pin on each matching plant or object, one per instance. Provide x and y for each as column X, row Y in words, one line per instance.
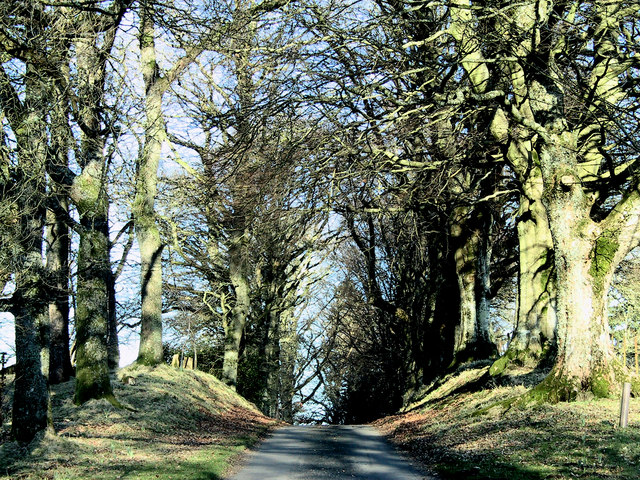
column 325, row 203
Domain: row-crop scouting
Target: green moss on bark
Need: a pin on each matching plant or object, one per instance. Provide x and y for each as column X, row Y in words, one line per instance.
column 601, row 386
column 500, row 365
column 602, row 256
column 553, row 389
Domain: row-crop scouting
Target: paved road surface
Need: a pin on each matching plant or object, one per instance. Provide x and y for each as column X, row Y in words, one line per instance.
column 327, row 452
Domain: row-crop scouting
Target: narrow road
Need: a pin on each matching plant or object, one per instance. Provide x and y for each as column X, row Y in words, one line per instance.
column 327, row 452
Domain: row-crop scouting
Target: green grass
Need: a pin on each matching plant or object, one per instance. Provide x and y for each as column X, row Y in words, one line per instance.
column 546, row 442
column 187, row 425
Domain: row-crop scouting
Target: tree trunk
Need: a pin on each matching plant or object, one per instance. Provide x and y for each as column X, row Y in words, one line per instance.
column 235, row 327
column 536, row 321
column 288, row 355
column 147, row 231
column 533, row 340
column 58, row 244
column 94, row 273
column 439, row 337
column 89, row 194
column 472, row 337
column 60, row 369
column 585, row 260
column 272, row 361
column 113, row 344
column 31, row 398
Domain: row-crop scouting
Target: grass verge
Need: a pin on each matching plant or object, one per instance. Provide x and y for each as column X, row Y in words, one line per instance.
column 187, row 424
column 475, row 435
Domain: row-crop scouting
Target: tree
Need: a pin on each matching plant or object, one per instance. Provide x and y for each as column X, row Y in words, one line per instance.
column 58, row 234
column 30, row 406
column 561, row 94
column 416, row 148
column 96, row 36
column 24, row 191
column 156, row 84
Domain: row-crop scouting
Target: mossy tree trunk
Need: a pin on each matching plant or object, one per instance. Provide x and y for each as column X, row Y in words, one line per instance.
column 535, row 331
column 144, row 214
column 234, row 328
column 566, row 133
column 534, row 336
column 31, row 398
column 586, row 255
column 92, row 313
column 469, row 233
column 89, row 194
column 29, row 302
column 147, row 232
column 535, row 322
column 60, row 369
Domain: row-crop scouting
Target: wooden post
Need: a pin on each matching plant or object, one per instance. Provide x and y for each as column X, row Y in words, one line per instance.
column 624, row 405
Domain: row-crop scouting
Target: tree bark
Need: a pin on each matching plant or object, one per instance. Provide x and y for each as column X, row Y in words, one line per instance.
column 58, row 241
column 94, row 273
column 533, row 340
column 31, row 398
column 60, row 369
column 471, row 255
column 113, row 344
column 238, row 272
column 89, row 194
column 536, row 315
column 585, row 258
column 147, row 232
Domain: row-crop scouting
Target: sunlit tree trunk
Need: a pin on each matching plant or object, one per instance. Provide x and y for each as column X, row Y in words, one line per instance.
column 534, row 335
column 147, row 232
column 586, row 255
column 533, row 340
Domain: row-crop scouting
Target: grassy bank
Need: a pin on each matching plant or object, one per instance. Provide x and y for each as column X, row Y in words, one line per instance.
column 462, row 432
column 187, row 424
